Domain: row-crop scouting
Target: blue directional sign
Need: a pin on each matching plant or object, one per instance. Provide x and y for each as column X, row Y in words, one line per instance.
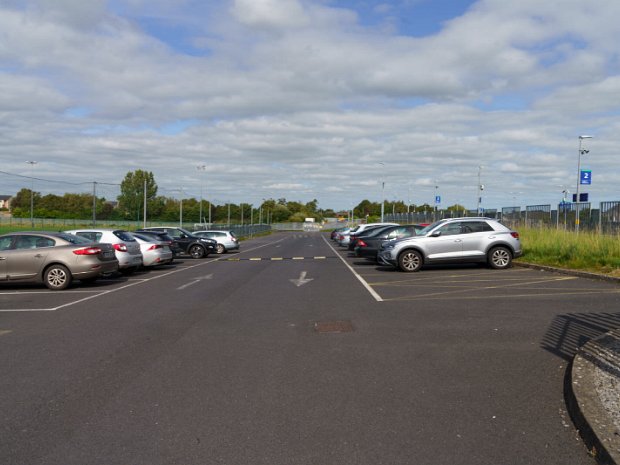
column 438, row 199
column 585, row 177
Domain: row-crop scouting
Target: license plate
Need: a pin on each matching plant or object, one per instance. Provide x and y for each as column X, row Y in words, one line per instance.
column 108, row 254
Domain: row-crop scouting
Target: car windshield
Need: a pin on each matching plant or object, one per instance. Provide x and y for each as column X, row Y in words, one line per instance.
column 430, row 227
column 185, row 231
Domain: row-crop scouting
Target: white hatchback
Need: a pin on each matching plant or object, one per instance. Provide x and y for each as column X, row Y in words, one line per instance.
column 126, row 247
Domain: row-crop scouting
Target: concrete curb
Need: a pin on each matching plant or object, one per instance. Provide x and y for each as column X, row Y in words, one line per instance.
column 581, row 274
column 592, row 386
column 594, row 395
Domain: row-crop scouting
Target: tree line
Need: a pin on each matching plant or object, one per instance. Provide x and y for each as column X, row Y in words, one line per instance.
column 129, row 205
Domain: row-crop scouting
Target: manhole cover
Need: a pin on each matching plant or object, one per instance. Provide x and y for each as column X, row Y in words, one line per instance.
column 343, row 326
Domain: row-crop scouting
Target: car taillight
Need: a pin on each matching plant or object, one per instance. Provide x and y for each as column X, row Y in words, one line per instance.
column 361, row 243
column 120, row 247
column 155, row 246
column 88, row 251
column 514, row 234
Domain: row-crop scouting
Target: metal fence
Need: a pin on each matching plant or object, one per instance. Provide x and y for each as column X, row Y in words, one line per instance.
column 605, row 219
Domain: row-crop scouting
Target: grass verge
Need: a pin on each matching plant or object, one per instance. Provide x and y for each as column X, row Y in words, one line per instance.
column 585, row 251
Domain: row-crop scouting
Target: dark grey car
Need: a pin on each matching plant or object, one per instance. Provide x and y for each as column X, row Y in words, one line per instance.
column 55, row 259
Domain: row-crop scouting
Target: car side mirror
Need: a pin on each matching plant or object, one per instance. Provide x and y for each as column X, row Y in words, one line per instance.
column 436, row 234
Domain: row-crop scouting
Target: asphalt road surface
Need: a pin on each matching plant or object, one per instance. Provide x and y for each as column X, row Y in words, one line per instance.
column 290, row 352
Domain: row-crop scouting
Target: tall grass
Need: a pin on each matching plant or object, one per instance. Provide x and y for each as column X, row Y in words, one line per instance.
column 565, row 249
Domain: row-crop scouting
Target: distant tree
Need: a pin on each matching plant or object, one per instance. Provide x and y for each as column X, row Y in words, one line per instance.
column 280, row 214
column 20, row 204
column 131, row 199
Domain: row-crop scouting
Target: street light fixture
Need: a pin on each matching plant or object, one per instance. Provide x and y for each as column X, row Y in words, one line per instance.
column 580, row 153
column 31, row 163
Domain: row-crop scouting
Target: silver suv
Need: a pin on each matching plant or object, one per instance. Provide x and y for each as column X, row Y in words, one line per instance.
column 454, row 240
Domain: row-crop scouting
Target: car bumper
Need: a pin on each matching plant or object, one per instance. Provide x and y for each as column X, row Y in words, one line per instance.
column 129, row 261
column 158, row 259
column 96, row 269
column 385, row 258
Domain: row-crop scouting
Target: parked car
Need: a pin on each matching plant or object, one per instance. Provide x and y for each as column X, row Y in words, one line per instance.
column 368, row 245
column 125, row 246
column 226, row 240
column 195, row 246
column 452, row 241
column 364, row 228
column 154, row 251
column 162, row 237
column 342, row 238
column 54, row 259
column 335, row 232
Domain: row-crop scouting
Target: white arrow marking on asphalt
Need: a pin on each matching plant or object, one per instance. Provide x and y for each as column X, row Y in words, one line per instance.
column 197, row 280
column 302, row 279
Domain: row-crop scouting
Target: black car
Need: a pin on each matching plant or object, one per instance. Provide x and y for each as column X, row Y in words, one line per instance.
column 368, row 245
column 370, row 229
column 196, row 247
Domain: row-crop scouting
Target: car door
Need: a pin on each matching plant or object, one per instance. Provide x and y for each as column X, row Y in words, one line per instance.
column 181, row 238
column 444, row 243
column 476, row 236
column 5, row 246
column 28, row 257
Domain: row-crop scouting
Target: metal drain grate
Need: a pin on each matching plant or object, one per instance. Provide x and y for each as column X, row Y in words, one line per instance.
column 342, row 326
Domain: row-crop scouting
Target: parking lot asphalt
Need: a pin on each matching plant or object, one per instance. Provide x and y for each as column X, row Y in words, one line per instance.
column 293, row 352
column 593, row 378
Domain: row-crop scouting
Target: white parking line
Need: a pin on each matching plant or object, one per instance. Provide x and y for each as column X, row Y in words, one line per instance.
column 372, row 292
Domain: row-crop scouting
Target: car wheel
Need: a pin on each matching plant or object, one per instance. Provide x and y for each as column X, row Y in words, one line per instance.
column 196, row 251
column 499, row 258
column 410, row 260
column 57, row 277
column 220, row 249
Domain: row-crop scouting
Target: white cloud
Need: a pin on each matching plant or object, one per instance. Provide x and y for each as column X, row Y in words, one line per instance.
column 298, row 96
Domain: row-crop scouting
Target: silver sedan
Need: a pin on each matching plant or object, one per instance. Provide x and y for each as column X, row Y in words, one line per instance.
column 54, row 259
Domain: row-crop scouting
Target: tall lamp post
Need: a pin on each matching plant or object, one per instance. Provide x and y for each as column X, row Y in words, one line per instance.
column 382, row 190
column 31, row 163
column 577, row 206
column 202, row 169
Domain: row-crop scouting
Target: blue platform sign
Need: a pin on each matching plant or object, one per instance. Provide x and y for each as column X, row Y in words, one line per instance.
column 585, row 177
column 438, row 199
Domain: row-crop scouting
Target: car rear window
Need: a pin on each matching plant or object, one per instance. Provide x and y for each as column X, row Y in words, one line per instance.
column 124, row 236
column 73, row 239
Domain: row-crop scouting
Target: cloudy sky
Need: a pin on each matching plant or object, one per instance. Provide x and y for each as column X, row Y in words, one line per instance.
column 307, row 99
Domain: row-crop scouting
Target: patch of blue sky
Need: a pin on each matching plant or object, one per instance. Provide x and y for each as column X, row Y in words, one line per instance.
column 178, row 37
column 77, row 112
column 415, row 18
column 556, row 51
column 513, row 102
column 177, row 127
column 168, row 129
column 412, row 102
